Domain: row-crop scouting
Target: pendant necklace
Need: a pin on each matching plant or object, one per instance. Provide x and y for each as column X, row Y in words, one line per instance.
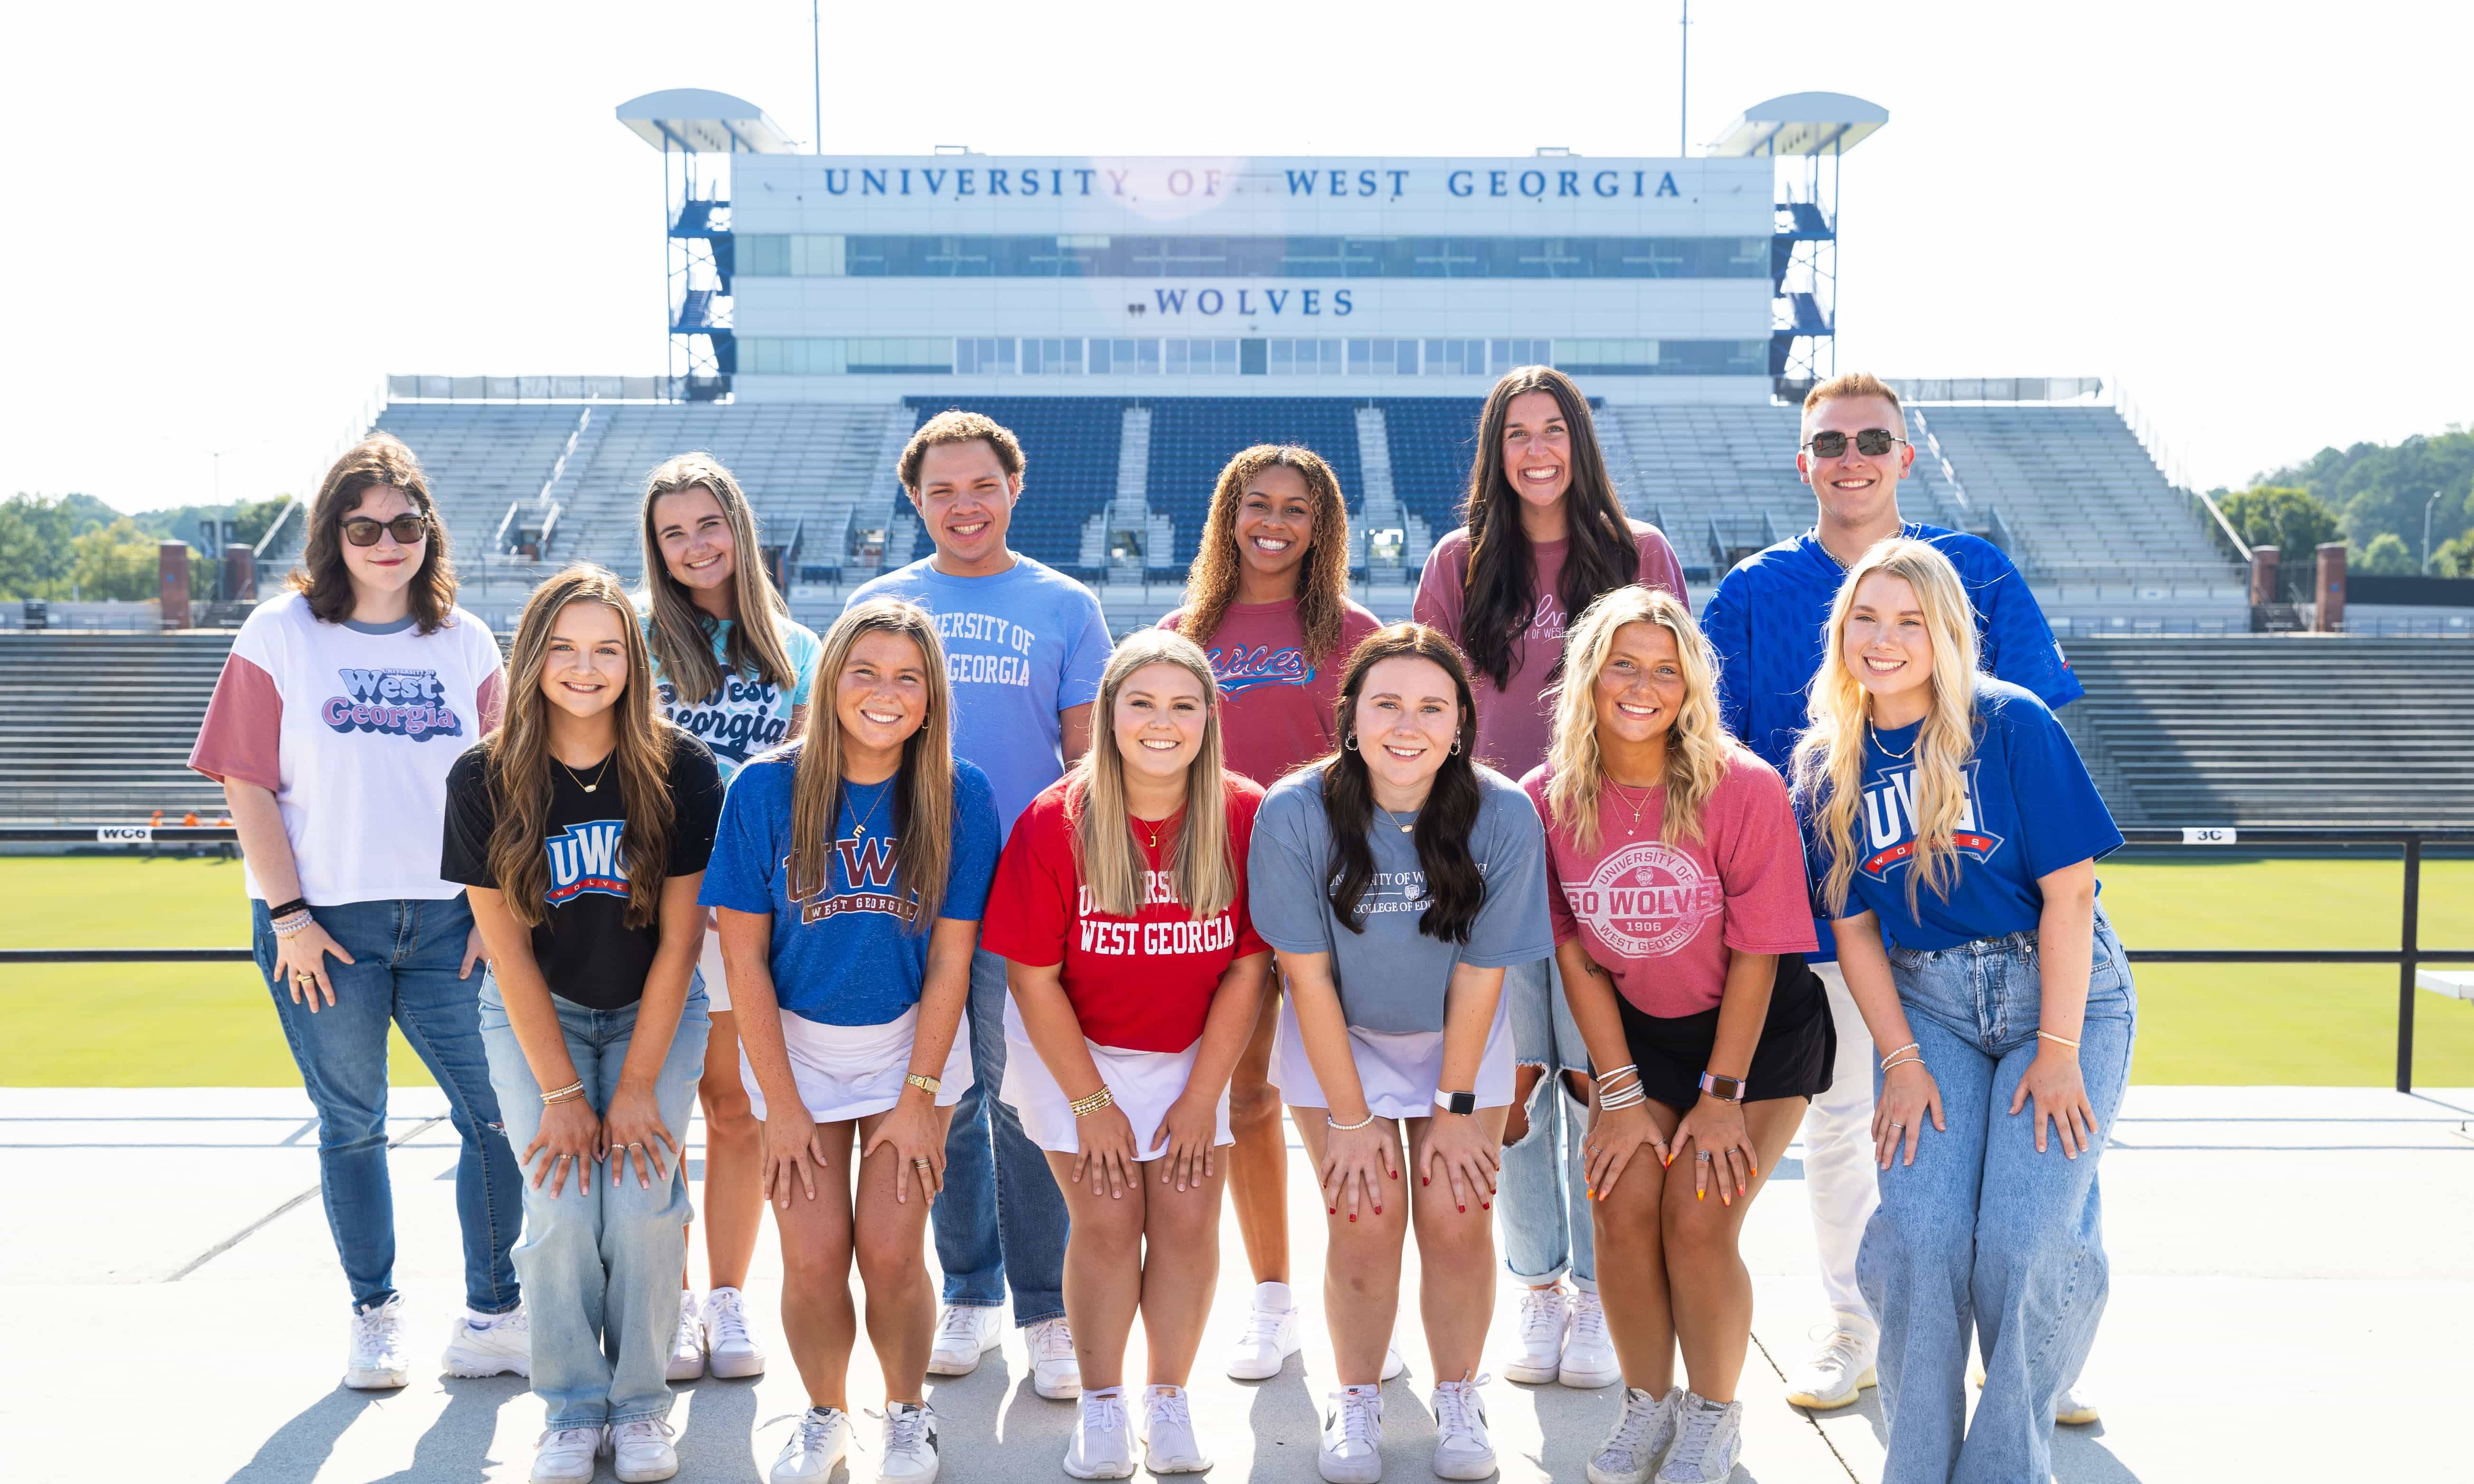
column 859, row 831
column 1395, row 820
column 597, row 773
column 1874, row 733
column 1152, row 828
column 1627, row 802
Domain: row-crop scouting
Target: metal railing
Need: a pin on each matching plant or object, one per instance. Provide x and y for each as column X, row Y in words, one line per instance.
column 2409, row 956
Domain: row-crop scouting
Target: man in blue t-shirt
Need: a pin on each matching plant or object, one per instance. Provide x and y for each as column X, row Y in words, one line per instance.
column 1767, row 623
column 1024, row 648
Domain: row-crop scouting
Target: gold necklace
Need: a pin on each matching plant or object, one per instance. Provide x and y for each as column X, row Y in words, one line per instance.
column 859, row 831
column 597, row 773
column 1395, row 820
column 1629, row 804
column 1874, row 733
column 1152, row 828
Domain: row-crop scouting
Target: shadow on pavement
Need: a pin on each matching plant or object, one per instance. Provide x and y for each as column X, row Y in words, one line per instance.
column 1286, row 1421
column 299, row 1448
column 720, row 1441
column 455, row 1449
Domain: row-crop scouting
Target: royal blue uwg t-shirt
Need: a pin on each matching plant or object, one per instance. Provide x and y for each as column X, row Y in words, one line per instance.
column 841, row 956
column 2031, row 810
column 1771, row 614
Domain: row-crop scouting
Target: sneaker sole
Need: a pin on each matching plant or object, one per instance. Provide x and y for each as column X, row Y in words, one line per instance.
column 1598, row 1475
column 1588, row 1380
column 1370, row 1472
column 1813, row 1402
column 1533, row 1376
column 1070, row 1391
column 1249, row 1374
column 683, row 1372
column 2078, row 1419
column 825, row 1472
column 734, row 1369
column 1174, row 1465
column 375, row 1380
column 1472, row 1469
column 648, row 1476
column 474, row 1373
column 1106, row 1472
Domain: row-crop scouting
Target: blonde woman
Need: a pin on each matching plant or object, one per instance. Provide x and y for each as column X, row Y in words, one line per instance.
column 1949, row 816
column 850, row 872
column 734, row 671
column 1120, row 909
column 1267, row 600
column 1676, row 880
column 580, row 830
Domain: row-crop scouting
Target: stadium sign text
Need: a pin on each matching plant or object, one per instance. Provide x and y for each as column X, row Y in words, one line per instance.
column 1132, row 183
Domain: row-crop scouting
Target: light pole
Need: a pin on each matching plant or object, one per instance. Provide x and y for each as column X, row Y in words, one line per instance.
column 2425, row 568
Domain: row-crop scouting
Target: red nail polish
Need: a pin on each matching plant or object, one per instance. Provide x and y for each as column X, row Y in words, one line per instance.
column 1483, row 1205
column 1353, row 1216
column 1464, row 1210
column 1378, row 1210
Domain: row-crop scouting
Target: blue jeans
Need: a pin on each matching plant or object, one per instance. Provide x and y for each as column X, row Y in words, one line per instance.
column 1545, row 1202
column 406, row 956
column 1001, row 1215
column 1982, row 1232
column 603, row 1266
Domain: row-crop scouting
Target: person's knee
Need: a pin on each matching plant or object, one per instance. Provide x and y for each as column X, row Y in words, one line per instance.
column 888, row 1261
column 727, row 1111
column 1527, row 1107
column 1114, row 1227
column 1696, row 1233
column 1628, row 1215
column 1939, row 1246
column 2027, row 1250
column 1253, row 1104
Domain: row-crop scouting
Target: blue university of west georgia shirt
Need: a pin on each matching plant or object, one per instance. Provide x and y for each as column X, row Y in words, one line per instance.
column 2031, row 810
column 1767, row 623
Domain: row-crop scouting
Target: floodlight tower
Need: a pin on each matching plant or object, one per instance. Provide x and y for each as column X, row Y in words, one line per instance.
column 1812, row 129
column 699, row 130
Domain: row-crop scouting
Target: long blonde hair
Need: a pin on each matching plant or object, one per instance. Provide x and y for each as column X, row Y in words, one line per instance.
column 520, row 767
column 1828, row 763
column 1323, row 578
column 1697, row 744
column 923, row 792
column 1199, row 866
column 682, row 632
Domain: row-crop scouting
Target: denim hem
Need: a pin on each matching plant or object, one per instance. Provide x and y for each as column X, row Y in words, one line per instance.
column 661, row 1414
column 1024, row 1323
column 1542, row 1279
column 494, row 1313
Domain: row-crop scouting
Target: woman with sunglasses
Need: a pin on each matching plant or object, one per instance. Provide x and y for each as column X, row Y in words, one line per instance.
column 338, row 714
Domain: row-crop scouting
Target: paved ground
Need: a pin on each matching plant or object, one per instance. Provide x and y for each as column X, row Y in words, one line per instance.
column 2293, row 1288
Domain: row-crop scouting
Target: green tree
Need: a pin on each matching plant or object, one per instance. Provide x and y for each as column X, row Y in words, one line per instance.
column 2387, row 556
column 35, row 536
column 115, row 561
column 2456, row 559
column 2376, row 488
column 2292, row 520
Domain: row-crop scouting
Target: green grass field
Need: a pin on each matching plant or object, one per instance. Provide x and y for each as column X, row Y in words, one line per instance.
column 211, row 1024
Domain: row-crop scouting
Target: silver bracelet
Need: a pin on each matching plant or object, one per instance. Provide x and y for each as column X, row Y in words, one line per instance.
column 1903, row 1061
column 1621, row 1098
column 1348, row 1128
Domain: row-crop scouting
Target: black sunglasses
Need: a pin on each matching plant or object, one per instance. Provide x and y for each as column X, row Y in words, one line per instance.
column 1871, row 443
column 362, row 531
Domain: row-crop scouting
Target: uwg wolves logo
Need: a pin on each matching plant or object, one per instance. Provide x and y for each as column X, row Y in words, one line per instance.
column 585, row 859
column 1890, row 823
column 1241, row 668
column 867, row 868
column 744, row 719
column 399, row 702
column 1645, row 900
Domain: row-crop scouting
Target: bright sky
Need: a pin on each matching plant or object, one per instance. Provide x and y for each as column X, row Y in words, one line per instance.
column 230, row 221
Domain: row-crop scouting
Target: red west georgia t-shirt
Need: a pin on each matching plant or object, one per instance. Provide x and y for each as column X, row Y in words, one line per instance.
column 1137, row 984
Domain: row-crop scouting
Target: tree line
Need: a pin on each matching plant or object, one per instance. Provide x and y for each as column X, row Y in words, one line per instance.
column 2371, row 495
column 75, row 547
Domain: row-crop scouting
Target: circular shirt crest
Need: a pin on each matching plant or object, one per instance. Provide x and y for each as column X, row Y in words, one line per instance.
column 1647, row 899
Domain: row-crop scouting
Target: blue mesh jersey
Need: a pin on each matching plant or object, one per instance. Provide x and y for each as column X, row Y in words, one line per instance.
column 1766, row 623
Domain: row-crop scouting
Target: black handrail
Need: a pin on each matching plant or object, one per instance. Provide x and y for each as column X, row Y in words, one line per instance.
column 2408, row 956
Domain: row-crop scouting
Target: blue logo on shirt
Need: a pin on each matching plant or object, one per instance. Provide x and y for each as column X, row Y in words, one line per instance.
column 1890, row 823
column 585, row 858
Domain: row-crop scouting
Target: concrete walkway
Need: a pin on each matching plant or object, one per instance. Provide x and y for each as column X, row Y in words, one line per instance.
column 2293, row 1282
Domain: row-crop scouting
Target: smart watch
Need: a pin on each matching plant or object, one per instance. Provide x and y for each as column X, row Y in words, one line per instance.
column 1461, row 1103
column 1727, row 1089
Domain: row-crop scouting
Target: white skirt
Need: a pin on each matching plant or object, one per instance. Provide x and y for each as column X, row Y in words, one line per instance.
column 717, row 986
column 1399, row 1071
column 847, row 1072
column 1143, row 1082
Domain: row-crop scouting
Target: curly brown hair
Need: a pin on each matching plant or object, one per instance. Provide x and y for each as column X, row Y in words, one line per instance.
column 955, row 426
column 323, row 580
column 1323, row 581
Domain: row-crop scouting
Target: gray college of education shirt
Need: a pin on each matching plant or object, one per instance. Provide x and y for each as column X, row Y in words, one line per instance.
column 1392, row 977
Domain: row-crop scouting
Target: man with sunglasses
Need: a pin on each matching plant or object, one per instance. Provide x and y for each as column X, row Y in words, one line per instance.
column 1767, row 623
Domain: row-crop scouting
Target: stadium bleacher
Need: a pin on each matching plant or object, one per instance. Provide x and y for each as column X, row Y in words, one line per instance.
column 1431, row 440
column 1070, row 447
column 1194, row 437
column 99, row 726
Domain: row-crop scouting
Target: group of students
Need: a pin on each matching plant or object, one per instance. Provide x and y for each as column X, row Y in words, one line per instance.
column 961, row 912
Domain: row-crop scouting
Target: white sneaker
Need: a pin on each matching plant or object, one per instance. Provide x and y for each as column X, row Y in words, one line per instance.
column 1169, row 1442
column 966, row 1332
column 565, row 1456
column 1393, row 1364
column 1353, row 1437
column 1103, row 1445
column 821, row 1438
column 1054, row 1371
column 1589, row 1360
column 910, row 1450
column 641, row 1450
column 687, row 1345
column 1709, row 1437
column 1841, row 1367
column 1462, row 1449
column 1642, row 1433
column 731, row 1350
column 1271, row 1336
column 1545, row 1314
column 506, row 1348
column 2074, row 1409
column 374, row 1358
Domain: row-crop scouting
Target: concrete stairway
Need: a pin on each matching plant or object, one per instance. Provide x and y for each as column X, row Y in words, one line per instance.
column 99, row 726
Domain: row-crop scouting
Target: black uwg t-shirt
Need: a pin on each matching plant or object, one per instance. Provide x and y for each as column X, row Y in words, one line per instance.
column 585, row 948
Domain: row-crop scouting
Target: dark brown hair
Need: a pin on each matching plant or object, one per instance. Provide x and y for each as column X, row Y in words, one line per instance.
column 323, row 580
column 955, row 426
column 1499, row 593
column 1323, row 579
column 1455, row 887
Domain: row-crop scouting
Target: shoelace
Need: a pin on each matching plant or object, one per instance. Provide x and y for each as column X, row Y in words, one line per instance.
column 1052, row 1340
column 1843, row 1348
column 1699, row 1427
column 1542, row 1315
column 586, row 1438
column 1589, row 1321
column 644, row 1429
column 1104, row 1412
column 723, row 1316
column 1161, row 1406
column 375, row 1331
column 906, row 1429
column 1263, row 1326
column 813, row 1430
column 1631, row 1430
column 1456, row 1408
column 961, row 1324
column 1359, row 1414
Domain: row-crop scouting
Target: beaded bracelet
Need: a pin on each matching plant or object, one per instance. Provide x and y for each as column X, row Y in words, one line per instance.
column 574, row 1089
column 1084, row 1107
column 293, row 926
column 1903, row 1061
column 2062, row 1039
column 1900, row 1052
column 1348, row 1128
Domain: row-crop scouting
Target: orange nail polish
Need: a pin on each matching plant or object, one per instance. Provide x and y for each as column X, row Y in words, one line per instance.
column 1699, row 1194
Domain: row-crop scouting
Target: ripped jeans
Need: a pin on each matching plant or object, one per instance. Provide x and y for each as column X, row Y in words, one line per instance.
column 1545, row 1204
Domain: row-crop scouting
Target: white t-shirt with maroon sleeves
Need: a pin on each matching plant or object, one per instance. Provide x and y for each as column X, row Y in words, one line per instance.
column 353, row 728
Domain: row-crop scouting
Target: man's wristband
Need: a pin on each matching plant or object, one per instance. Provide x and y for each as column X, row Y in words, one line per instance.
column 287, row 909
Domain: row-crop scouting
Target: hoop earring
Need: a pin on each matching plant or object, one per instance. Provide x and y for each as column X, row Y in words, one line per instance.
column 1348, row 743
column 1456, row 747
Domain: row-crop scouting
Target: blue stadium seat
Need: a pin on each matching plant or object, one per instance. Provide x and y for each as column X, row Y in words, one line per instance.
column 1070, row 447
column 1194, row 437
column 1431, row 440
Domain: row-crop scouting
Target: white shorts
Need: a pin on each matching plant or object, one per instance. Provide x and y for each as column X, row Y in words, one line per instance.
column 716, row 986
column 847, row 1072
column 1399, row 1071
column 1143, row 1082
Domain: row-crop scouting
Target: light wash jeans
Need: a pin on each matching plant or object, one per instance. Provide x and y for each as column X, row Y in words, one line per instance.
column 1545, row 1201
column 1002, row 1217
column 1840, row 1178
column 405, row 958
column 602, row 1268
column 1983, row 1234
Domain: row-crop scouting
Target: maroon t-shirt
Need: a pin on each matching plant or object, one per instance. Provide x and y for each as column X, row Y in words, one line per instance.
column 1275, row 702
column 1514, row 725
